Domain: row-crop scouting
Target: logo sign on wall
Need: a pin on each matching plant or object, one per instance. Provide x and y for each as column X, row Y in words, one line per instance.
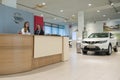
column 18, row 18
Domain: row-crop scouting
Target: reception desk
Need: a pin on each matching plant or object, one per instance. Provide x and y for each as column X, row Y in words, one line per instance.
column 20, row 53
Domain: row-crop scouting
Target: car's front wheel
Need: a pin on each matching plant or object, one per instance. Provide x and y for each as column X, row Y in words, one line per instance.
column 84, row 52
column 116, row 48
column 109, row 52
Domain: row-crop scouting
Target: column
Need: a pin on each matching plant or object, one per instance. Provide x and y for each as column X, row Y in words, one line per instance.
column 10, row 3
column 80, row 24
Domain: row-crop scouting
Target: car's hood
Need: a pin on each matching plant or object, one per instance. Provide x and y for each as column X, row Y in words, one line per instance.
column 95, row 39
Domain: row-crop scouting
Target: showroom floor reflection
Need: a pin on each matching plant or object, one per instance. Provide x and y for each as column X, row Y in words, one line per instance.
column 79, row 67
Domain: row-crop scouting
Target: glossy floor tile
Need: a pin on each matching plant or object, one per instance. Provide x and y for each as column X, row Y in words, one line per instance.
column 79, row 67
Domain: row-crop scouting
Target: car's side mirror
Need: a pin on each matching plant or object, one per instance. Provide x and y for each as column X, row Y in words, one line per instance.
column 111, row 36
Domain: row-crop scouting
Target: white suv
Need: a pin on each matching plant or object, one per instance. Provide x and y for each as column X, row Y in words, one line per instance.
column 99, row 42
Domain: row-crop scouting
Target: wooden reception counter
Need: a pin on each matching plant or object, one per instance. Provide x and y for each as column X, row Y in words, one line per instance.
column 20, row 53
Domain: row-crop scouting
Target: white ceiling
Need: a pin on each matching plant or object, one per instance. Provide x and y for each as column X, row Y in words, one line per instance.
column 71, row 7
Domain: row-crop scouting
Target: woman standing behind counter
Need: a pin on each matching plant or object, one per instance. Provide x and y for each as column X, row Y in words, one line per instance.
column 39, row 31
column 25, row 29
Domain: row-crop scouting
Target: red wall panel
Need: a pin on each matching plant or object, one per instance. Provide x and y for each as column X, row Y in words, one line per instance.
column 38, row 21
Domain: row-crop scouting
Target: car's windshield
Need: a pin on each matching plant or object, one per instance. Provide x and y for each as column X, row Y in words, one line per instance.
column 98, row 35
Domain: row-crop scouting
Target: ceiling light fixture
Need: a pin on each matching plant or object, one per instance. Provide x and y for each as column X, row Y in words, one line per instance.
column 42, row 15
column 43, row 3
column 89, row 5
column 104, row 15
column 40, row 5
column 73, row 15
column 112, row 4
column 55, row 18
column 98, row 11
column 61, row 10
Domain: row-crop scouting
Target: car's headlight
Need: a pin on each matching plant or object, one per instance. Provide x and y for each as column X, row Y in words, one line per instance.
column 102, row 41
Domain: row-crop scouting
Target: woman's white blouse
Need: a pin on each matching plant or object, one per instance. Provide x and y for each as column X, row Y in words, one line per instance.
column 22, row 32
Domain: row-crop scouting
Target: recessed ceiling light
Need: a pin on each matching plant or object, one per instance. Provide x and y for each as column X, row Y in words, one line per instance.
column 42, row 15
column 61, row 10
column 40, row 5
column 89, row 5
column 73, row 15
column 98, row 10
column 44, row 3
column 104, row 15
column 55, row 18
column 112, row 4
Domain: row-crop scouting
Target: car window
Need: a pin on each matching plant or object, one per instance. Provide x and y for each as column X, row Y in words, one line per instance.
column 98, row 35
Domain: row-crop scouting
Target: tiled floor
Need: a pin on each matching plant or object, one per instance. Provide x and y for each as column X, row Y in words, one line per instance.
column 79, row 67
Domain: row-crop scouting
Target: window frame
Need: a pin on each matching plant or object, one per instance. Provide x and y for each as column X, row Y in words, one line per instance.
column 52, row 25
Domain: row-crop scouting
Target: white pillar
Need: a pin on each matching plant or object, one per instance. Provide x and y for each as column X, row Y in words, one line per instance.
column 10, row 3
column 80, row 24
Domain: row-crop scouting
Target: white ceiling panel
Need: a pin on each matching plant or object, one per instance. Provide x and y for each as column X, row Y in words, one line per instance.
column 71, row 7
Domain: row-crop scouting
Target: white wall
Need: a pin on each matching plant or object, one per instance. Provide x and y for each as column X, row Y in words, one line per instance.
column 92, row 27
column 73, row 32
column 74, row 28
column 69, row 31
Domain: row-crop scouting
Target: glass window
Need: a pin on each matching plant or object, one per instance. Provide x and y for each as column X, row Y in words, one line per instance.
column 74, row 36
column 61, row 31
column 47, row 30
column 54, row 30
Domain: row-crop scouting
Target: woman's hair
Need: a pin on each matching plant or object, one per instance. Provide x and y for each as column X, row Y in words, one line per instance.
column 25, row 26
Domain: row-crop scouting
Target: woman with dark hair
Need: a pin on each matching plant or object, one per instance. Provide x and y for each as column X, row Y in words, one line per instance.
column 25, row 29
column 39, row 31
